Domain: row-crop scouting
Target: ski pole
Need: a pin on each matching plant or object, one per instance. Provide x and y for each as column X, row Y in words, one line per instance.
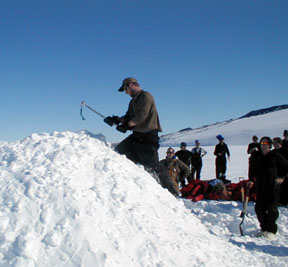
column 83, row 104
column 244, row 211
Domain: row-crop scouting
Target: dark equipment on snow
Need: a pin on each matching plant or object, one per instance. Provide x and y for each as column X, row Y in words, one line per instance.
column 245, row 204
column 83, row 104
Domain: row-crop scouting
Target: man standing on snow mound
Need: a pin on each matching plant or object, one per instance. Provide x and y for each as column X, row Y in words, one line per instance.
column 142, row 118
column 268, row 181
column 221, row 149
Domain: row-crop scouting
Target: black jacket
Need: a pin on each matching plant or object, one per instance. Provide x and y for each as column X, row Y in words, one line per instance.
column 254, row 152
column 269, row 168
column 223, row 150
column 185, row 156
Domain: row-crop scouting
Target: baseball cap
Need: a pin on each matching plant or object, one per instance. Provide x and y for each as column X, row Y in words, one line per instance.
column 126, row 81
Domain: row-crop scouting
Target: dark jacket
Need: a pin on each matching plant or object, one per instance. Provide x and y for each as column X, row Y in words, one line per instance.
column 282, row 170
column 185, row 156
column 223, row 150
column 196, row 159
column 269, row 168
column 142, row 110
column 254, row 152
column 285, row 143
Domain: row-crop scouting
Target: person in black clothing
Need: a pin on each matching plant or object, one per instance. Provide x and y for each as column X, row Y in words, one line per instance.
column 285, row 139
column 252, row 150
column 268, row 180
column 278, row 148
column 196, row 160
column 183, row 154
column 221, row 150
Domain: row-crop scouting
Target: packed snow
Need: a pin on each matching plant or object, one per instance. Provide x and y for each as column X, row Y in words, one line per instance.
column 67, row 199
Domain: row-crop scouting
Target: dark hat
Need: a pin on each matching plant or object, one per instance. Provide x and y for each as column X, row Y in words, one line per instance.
column 285, row 132
column 255, row 137
column 183, row 144
column 220, row 137
column 126, row 81
column 197, row 141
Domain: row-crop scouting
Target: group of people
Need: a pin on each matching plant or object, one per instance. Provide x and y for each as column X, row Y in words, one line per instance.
column 268, row 168
column 191, row 169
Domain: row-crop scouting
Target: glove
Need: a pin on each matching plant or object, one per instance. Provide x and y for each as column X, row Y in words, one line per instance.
column 110, row 120
column 123, row 127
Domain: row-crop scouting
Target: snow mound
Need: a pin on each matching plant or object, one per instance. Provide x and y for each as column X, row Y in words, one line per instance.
column 67, row 199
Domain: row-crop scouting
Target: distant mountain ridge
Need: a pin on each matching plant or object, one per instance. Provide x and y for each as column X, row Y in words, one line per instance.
column 264, row 111
column 267, row 121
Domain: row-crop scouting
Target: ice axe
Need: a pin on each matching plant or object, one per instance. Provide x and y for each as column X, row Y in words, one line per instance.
column 241, row 179
column 83, row 104
column 244, row 211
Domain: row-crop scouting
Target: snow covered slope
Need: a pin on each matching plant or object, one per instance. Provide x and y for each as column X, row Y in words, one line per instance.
column 67, row 199
column 236, row 132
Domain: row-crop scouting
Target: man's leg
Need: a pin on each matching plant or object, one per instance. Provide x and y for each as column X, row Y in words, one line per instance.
column 126, row 148
column 272, row 216
column 199, row 167
column 147, row 154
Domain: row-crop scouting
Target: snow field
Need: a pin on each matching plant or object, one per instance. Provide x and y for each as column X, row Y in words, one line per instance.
column 69, row 200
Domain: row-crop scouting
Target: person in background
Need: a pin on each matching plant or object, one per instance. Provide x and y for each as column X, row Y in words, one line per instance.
column 196, row 159
column 176, row 169
column 285, row 139
column 278, row 148
column 252, row 150
column 221, row 150
column 183, row 154
column 268, row 181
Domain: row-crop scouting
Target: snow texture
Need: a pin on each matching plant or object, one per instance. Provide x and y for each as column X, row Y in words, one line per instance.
column 67, row 199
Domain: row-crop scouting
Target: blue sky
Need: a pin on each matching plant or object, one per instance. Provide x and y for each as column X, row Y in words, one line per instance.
column 203, row 61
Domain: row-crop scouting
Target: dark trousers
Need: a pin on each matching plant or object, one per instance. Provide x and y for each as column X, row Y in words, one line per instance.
column 267, row 214
column 141, row 148
column 252, row 168
column 196, row 169
column 220, row 163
